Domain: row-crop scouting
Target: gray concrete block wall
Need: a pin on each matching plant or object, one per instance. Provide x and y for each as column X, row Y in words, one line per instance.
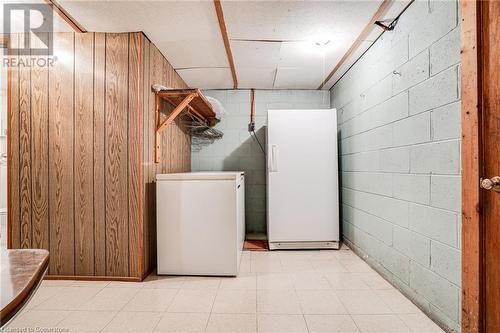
column 399, row 145
column 238, row 150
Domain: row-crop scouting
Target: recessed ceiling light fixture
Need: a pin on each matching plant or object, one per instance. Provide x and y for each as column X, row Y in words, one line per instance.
column 321, row 46
column 322, row 43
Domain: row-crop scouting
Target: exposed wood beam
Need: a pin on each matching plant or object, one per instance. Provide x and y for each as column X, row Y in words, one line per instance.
column 472, row 217
column 362, row 36
column 65, row 16
column 223, row 31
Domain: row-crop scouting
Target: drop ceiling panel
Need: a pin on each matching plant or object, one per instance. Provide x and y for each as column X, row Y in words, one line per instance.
column 335, row 25
column 186, row 32
column 207, row 78
column 256, row 54
column 298, row 78
column 297, row 20
column 186, row 54
column 310, row 55
column 249, row 77
column 172, row 20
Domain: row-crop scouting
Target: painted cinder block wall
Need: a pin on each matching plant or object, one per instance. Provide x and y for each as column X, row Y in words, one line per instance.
column 399, row 145
column 237, row 150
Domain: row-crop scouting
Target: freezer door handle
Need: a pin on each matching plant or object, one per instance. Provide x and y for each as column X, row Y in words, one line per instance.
column 274, row 158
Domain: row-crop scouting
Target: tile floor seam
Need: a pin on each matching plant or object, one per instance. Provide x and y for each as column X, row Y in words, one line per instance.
column 211, row 312
column 305, row 321
column 109, row 322
column 37, row 307
column 256, row 305
column 300, row 304
column 411, row 329
column 99, row 330
column 355, row 324
column 60, row 321
column 404, row 323
column 161, row 317
column 130, row 300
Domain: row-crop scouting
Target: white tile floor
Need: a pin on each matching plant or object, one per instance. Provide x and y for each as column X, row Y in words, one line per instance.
column 292, row 291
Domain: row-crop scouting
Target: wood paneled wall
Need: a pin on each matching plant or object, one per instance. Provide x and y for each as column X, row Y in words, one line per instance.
column 81, row 169
column 176, row 143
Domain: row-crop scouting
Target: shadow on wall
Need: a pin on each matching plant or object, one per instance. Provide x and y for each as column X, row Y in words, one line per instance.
column 339, row 162
column 250, row 158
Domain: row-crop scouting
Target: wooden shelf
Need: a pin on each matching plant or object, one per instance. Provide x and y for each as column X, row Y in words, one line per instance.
column 191, row 99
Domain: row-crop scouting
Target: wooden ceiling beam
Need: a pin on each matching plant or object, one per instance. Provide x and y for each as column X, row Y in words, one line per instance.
column 225, row 38
column 362, row 36
column 65, row 16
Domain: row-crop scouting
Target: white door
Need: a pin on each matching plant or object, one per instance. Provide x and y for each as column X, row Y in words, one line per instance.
column 302, row 175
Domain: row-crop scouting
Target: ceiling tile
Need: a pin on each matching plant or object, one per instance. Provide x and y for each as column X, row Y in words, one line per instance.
column 162, row 20
column 297, row 20
column 256, row 54
column 298, row 78
column 308, row 54
column 185, row 54
column 186, row 32
column 207, row 78
column 261, row 78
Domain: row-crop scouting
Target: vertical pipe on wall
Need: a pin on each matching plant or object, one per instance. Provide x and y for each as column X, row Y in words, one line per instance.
column 251, row 124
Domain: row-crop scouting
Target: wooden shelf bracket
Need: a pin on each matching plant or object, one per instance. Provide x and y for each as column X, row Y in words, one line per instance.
column 199, row 108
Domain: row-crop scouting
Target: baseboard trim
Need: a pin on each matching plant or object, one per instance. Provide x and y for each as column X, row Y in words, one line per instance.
column 93, row 278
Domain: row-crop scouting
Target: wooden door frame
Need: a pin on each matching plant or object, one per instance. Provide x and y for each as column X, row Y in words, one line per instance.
column 473, row 297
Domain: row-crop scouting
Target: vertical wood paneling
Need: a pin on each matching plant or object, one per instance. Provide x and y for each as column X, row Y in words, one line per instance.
column 13, row 137
column 83, row 136
column 116, row 148
column 39, row 155
column 81, row 148
column 146, row 172
column 134, row 149
column 150, row 227
column 25, row 151
column 61, row 153
column 99, row 166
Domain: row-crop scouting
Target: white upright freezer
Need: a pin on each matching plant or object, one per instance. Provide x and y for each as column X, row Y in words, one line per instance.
column 302, row 179
column 200, row 222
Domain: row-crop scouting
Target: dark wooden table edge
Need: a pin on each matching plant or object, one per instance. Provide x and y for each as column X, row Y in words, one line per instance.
column 17, row 304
